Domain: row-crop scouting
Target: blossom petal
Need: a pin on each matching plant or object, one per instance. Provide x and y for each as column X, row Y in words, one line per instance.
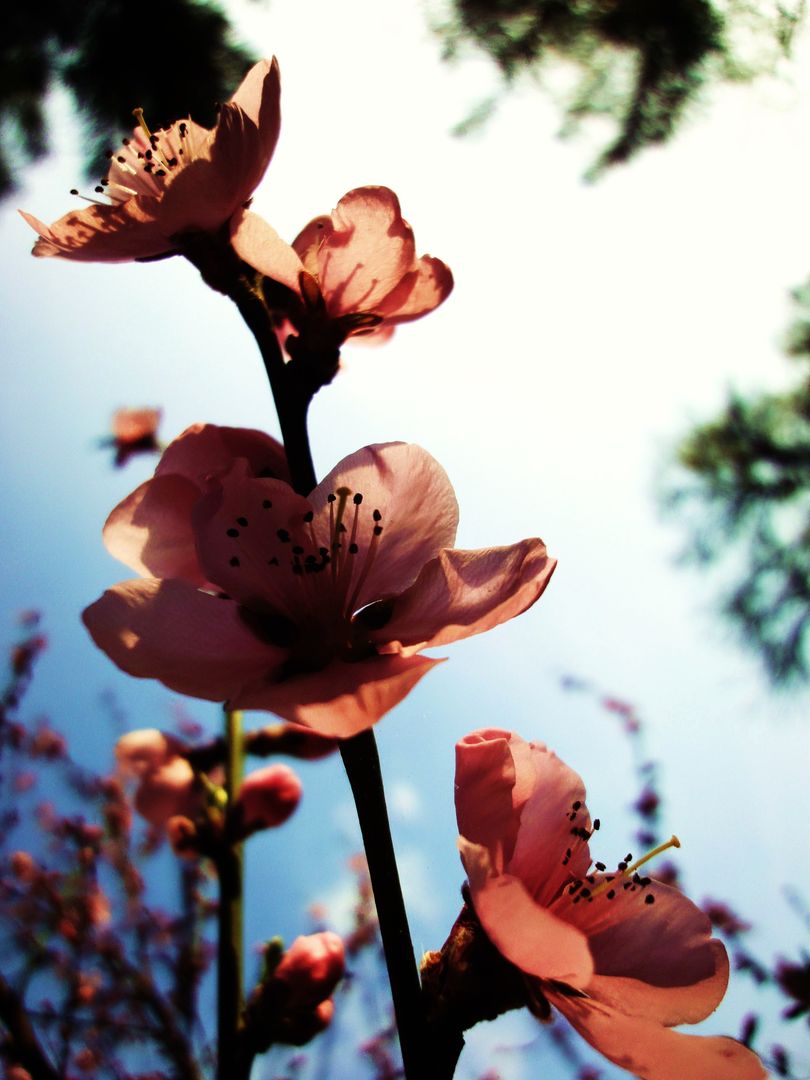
column 669, row 1005
column 367, row 254
column 245, row 530
column 419, row 512
column 206, row 450
column 653, row 1052
column 528, row 935
column 309, row 240
column 547, row 855
column 461, row 593
column 150, row 530
column 664, row 948
column 344, row 698
column 101, row 233
column 191, row 641
column 489, row 793
column 227, row 169
column 262, row 248
column 420, row 291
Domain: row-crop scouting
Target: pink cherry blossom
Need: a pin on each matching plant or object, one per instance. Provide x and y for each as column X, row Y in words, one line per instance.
column 352, row 272
column 623, row 957
column 266, row 799
column 134, row 431
column 183, row 179
column 313, row 608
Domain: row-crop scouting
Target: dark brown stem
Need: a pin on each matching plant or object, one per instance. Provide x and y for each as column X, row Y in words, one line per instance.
column 362, row 764
column 24, row 1043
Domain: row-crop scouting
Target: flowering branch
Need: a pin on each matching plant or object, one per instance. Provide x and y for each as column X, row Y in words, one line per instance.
column 25, row 1046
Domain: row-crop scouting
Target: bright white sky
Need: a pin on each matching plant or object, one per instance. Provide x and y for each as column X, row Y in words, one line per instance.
column 589, row 325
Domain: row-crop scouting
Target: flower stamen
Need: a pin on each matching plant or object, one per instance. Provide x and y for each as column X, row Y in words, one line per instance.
column 628, row 871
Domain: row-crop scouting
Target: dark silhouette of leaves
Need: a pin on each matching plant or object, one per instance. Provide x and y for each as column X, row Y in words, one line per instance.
column 640, row 63
column 744, row 490
column 173, row 58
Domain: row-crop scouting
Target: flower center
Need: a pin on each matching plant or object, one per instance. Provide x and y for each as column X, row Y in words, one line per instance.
column 142, row 163
column 329, row 561
column 625, row 878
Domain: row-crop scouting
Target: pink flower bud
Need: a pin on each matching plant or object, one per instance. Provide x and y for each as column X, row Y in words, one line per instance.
column 23, row 866
column 311, row 968
column 267, row 798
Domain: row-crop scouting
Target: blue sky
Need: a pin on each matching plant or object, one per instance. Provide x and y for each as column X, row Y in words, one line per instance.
column 589, row 326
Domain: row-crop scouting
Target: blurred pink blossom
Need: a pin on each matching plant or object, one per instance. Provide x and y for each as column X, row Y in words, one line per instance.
column 623, row 957
column 183, row 179
column 314, row 608
column 267, row 797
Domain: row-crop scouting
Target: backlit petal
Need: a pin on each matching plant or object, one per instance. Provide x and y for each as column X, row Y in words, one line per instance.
column 653, row 1052
column 461, row 593
column 260, row 245
column 119, row 232
column 342, row 699
column 419, row 512
column 191, row 641
column 528, row 935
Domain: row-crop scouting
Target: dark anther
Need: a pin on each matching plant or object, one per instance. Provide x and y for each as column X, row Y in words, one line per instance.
column 323, row 552
column 331, row 498
column 283, row 536
column 377, row 515
column 353, row 549
column 121, row 158
column 649, row 898
column 572, row 816
column 308, row 516
column 576, row 805
column 160, row 172
column 596, row 824
column 99, row 189
column 378, row 530
column 267, row 504
column 357, row 499
column 148, row 167
column 172, row 162
column 600, row 866
column 298, row 550
column 611, row 894
column 148, row 155
column 232, row 532
column 108, row 154
column 585, row 892
column 242, row 521
column 234, row 561
column 623, row 866
column 125, row 142
column 74, row 191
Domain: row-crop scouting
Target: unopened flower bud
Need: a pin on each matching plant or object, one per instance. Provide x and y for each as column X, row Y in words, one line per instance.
column 182, row 834
column 23, row 866
column 311, row 969
column 267, row 798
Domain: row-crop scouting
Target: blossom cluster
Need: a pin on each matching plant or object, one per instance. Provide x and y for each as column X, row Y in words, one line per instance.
column 260, row 588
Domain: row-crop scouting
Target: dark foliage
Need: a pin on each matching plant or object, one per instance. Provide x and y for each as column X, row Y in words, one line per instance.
column 640, row 63
column 744, row 489
column 170, row 57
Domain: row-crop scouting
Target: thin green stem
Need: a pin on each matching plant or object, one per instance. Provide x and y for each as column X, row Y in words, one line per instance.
column 230, row 958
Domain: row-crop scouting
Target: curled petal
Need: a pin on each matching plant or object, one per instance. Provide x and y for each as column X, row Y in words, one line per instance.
column 528, row 935
column 344, row 698
column 193, row 642
column 486, row 777
column 653, row 1052
column 461, row 593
